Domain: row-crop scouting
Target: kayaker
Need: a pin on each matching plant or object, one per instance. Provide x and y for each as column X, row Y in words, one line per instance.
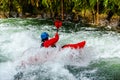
column 46, row 42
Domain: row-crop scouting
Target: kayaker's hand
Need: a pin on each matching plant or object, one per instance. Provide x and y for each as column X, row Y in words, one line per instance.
column 57, row 30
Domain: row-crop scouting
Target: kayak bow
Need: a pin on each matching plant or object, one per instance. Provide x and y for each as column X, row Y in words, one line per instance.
column 75, row 46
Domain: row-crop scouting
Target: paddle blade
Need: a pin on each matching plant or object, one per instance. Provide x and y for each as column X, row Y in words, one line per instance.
column 58, row 24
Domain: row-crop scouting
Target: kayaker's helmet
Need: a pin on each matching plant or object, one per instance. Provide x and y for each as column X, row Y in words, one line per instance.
column 44, row 36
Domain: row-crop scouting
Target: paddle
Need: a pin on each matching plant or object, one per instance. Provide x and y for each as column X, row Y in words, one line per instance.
column 58, row 24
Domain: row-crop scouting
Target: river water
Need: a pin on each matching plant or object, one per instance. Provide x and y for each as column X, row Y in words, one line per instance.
column 21, row 57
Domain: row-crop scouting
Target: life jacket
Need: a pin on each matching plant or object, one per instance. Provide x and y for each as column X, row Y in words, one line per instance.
column 42, row 45
column 51, row 42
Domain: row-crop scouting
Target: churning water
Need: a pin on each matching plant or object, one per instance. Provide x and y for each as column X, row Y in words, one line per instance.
column 21, row 57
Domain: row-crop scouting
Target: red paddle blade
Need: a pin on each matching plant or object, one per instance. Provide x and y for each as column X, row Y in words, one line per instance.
column 58, row 24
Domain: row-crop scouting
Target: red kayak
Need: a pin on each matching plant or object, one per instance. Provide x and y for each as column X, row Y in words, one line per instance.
column 75, row 46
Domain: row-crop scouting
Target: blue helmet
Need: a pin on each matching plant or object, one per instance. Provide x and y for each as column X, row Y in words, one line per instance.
column 44, row 35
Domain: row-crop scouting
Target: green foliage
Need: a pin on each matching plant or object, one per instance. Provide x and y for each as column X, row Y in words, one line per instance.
column 45, row 3
column 54, row 6
column 105, row 3
column 4, row 5
column 92, row 3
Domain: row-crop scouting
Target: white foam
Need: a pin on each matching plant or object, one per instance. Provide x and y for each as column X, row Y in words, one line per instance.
column 23, row 46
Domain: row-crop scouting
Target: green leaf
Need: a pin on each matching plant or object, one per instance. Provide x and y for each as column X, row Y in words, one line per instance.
column 105, row 3
column 45, row 3
column 93, row 3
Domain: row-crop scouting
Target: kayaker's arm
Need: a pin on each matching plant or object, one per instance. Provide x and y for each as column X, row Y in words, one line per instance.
column 51, row 41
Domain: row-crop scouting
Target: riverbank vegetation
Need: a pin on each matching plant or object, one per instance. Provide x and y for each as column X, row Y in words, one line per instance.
column 95, row 12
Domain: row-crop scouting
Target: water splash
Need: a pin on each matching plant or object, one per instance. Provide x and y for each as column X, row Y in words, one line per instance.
column 20, row 47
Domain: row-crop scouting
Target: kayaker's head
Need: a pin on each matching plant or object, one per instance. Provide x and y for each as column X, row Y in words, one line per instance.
column 44, row 36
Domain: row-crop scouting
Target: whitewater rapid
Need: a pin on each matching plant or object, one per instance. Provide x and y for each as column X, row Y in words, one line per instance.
column 20, row 52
